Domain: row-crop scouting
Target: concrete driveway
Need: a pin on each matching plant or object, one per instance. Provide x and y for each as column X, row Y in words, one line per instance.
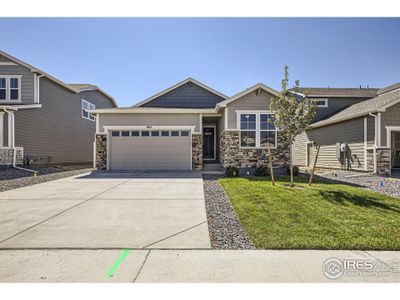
column 107, row 211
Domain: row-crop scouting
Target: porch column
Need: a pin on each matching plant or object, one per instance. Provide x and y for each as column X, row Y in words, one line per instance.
column 1, row 128
column 11, row 130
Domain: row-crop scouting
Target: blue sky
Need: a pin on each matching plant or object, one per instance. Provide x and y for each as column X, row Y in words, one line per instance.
column 133, row 59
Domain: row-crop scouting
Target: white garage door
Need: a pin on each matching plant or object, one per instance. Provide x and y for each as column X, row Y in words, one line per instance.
column 150, row 150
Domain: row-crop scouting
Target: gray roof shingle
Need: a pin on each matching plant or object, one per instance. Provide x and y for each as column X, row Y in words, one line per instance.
column 362, row 108
column 337, row 92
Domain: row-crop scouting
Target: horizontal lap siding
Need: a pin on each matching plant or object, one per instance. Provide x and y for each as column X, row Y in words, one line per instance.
column 248, row 102
column 335, row 105
column 350, row 132
column 58, row 129
column 149, row 120
column 27, row 80
column 389, row 118
column 300, row 150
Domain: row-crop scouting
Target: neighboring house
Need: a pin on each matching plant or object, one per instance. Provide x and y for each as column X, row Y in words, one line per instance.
column 43, row 118
column 188, row 125
column 357, row 129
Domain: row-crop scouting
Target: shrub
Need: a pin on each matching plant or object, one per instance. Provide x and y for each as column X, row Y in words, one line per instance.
column 261, row 171
column 232, row 172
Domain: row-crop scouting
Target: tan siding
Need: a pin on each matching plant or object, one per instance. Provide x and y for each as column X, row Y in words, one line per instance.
column 350, row 132
column 150, row 120
column 221, row 123
column 371, row 131
column 248, row 102
column 58, row 129
column 300, row 150
column 391, row 117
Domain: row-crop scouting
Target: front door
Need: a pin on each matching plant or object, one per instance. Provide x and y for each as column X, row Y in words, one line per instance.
column 396, row 149
column 209, row 143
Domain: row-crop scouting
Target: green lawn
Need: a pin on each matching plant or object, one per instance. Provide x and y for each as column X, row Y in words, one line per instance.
column 323, row 216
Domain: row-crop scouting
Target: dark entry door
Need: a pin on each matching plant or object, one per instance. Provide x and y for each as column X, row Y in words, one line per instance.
column 209, row 143
column 396, row 149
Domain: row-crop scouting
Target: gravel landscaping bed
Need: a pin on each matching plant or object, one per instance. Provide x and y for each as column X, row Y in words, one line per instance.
column 226, row 231
column 383, row 185
column 11, row 178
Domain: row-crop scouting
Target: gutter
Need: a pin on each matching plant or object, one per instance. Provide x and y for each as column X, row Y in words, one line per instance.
column 375, row 140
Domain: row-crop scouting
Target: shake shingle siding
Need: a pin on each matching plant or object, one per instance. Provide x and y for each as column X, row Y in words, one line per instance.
column 189, row 95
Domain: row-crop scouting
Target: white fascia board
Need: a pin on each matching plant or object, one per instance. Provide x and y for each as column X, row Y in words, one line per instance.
column 23, row 106
column 245, row 92
column 162, row 127
column 154, row 111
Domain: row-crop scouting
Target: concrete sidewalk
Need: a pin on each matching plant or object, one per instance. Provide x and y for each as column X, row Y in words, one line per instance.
column 190, row 266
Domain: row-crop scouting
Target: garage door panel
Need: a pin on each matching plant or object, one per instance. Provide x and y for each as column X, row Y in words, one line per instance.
column 150, row 153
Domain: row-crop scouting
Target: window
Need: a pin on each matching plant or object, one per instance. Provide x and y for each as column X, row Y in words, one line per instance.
column 155, row 133
column 85, row 107
column 10, row 88
column 164, row 133
column 184, row 133
column 14, row 88
column 145, row 133
column 135, row 133
column 257, row 131
column 267, row 131
column 124, row 133
column 321, row 102
column 248, row 130
column 115, row 133
column 3, row 88
column 174, row 133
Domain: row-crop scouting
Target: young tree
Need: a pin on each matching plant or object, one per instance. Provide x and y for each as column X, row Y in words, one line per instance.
column 292, row 115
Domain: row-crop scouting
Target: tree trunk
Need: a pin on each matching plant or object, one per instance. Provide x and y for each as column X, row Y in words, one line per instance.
column 271, row 169
column 315, row 164
column 291, row 167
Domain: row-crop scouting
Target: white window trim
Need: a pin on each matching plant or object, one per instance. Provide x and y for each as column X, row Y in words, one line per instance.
column 321, row 99
column 8, row 89
column 257, row 130
column 87, row 118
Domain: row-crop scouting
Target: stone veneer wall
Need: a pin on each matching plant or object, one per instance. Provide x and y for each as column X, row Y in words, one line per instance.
column 197, row 151
column 101, row 151
column 6, row 156
column 383, row 161
column 232, row 155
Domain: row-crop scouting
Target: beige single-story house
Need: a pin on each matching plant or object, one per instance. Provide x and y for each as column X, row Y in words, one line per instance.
column 189, row 125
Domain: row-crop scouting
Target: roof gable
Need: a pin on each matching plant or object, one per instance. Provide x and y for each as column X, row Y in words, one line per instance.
column 186, row 94
column 258, row 86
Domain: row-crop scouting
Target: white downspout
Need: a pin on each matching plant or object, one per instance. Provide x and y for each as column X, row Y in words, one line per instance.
column 375, row 141
column 38, row 89
column 10, row 114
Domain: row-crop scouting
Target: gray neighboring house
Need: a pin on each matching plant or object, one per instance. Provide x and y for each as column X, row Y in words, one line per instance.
column 43, row 118
column 189, row 125
column 357, row 129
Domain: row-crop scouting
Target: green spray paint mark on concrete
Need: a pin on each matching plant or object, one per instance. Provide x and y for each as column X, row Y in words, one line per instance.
column 119, row 261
